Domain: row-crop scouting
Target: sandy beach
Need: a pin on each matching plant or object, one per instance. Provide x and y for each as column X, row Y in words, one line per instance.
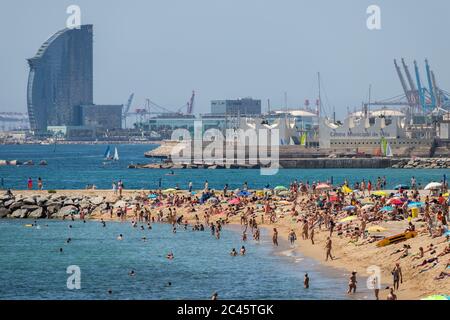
column 349, row 255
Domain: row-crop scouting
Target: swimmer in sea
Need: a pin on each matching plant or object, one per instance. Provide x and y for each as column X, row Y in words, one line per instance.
column 120, row 237
column 109, row 291
column 242, row 251
column 144, row 239
column 142, row 228
column 170, row 255
column 60, row 249
column 306, row 281
column 68, row 240
column 132, row 273
column 214, row 296
column 233, row 252
column 103, row 223
column 70, row 226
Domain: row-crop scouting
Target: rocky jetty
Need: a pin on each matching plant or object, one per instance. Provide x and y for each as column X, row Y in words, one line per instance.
column 423, row 163
column 54, row 206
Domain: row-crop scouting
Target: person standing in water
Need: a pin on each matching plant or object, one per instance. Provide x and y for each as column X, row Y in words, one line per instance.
column 292, row 237
column 40, row 184
column 30, row 183
column 306, row 281
column 275, row 237
column 352, row 283
column 190, row 186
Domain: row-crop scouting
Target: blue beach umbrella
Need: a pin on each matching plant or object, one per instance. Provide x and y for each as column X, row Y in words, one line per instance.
column 152, row 196
column 348, row 208
column 416, row 204
column 243, row 193
column 387, row 208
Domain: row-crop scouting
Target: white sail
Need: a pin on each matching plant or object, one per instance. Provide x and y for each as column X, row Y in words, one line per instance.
column 116, row 154
column 388, row 150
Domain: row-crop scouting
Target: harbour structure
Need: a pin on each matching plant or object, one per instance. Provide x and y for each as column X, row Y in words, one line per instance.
column 60, row 84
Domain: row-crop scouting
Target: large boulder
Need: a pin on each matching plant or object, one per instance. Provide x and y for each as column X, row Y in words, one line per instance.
column 65, row 211
column 4, row 212
column 36, row 214
column 19, row 213
column 41, row 201
column 8, row 203
column 29, row 207
column 97, row 200
column 5, row 197
column 29, row 201
column 16, row 205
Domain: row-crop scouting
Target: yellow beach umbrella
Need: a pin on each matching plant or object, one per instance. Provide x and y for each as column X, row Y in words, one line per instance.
column 346, row 189
column 347, row 219
column 445, row 194
column 380, row 193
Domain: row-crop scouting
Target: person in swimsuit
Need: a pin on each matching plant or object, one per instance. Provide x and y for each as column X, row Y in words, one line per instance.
column 352, row 283
column 306, row 281
column 275, row 236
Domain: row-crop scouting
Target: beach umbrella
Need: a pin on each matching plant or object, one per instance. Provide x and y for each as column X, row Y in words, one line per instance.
column 376, row 229
column 284, row 202
column 445, row 194
column 193, row 193
column 334, row 199
column 280, row 188
column 415, row 204
column 433, row 186
column 395, row 201
column 387, row 208
column 284, row 193
column 349, row 218
column 346, row 189
column 402, row 186
column 260, row 193
column 348, row 208
column 243, row 193
column 152, row 196
column 323, row 186
column 368, row 206
column 380, row 193
column 234, row 201
column 212, row 199
column 169, row 190
column 437, row 297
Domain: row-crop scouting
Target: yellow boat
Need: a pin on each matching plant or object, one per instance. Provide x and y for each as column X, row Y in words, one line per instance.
column 397, row 238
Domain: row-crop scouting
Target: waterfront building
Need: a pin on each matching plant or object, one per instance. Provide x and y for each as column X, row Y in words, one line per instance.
column 244, row 106
column 60, row 84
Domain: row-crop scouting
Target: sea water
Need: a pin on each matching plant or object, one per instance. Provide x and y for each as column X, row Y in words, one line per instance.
column 76, row 166
column 32, row 266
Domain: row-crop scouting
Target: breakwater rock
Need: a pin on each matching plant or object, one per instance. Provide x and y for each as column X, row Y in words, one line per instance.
column 55, row 206
column 424, row 163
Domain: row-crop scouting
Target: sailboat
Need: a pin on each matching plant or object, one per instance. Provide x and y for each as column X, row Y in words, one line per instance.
column 108, row 153
column 116, row 154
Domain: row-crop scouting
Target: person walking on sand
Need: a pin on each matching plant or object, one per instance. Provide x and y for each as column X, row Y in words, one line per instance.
column 312, row 236
column 275, row 237
column 328, row 247
column 397, row 276
column 120, row 187
column 352, row 283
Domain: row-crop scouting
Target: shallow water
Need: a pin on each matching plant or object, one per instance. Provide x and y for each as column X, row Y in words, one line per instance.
column 75, row 166
column 33, row 267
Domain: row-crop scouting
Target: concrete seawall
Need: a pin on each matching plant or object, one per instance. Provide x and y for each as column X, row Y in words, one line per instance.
column 328, row 163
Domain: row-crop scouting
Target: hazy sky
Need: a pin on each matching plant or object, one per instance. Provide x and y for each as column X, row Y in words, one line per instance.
column 162, row 49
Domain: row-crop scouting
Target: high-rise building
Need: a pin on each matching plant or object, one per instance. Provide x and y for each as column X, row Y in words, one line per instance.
column 61, row 79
